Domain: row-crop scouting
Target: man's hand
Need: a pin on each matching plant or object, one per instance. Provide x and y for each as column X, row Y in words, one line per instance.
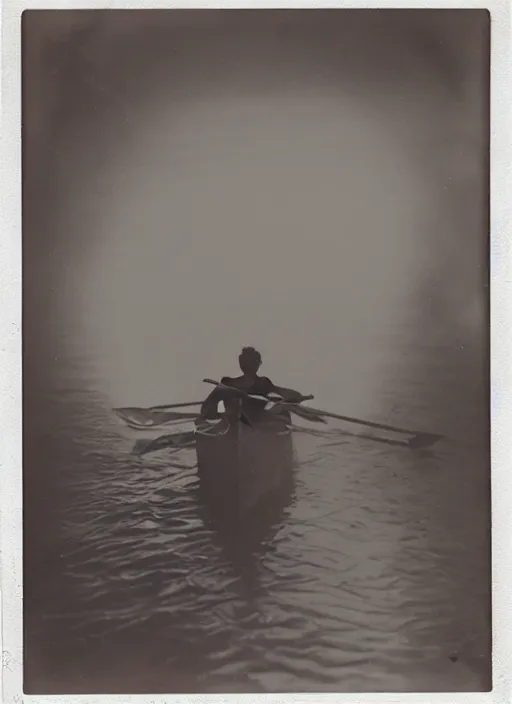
column 291, row 396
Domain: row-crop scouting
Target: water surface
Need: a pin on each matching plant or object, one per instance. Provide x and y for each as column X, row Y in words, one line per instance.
column 370, row 574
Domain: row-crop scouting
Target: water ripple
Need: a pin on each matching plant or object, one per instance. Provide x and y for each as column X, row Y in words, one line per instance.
column 363, row 576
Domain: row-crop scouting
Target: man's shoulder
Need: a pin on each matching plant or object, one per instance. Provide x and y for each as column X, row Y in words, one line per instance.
column 266, row 383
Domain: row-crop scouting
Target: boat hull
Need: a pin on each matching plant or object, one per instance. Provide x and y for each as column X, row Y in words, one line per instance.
column 243, row 466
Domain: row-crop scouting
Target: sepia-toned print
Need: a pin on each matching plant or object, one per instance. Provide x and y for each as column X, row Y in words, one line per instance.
column 256, row 351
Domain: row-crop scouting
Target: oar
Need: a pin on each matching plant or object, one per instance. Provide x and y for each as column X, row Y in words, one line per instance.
column 145, row 419
column 165, row 416
column 280, row 402
column 126, row 412
column 170, row 406
column 240, row 392
column 140, row 418
column 131, row 415
column 419, row 439
column 167, row 407
column 245, row 394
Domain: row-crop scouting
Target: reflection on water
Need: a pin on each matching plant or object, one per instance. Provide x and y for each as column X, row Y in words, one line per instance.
column 368, row 572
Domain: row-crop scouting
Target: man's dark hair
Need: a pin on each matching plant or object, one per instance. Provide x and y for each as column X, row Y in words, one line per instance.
column 249, row 358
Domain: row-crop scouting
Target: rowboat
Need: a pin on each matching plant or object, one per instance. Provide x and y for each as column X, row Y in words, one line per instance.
column 243, row 466
column 242, row 463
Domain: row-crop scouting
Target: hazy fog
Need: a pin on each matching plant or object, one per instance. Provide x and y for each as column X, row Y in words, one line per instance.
column 297, row 185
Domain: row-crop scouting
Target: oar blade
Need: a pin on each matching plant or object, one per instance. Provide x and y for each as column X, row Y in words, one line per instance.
column 178, row 441
column 423, row 440
column 145, row 418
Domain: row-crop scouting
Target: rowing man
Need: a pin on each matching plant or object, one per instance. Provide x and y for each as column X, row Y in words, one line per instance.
column 250, row 362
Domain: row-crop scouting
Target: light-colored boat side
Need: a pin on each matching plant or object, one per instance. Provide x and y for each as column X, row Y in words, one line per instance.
column 245, row 465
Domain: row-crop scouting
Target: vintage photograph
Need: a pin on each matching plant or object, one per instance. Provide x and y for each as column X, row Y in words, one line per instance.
column 256, row 398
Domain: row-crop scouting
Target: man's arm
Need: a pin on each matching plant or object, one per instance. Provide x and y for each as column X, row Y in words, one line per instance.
column 210, row 406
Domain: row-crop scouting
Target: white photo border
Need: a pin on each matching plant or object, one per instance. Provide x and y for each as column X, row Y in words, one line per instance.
column 10, row 354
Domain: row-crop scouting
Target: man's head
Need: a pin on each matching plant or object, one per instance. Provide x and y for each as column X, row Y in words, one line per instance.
column 249, row 360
